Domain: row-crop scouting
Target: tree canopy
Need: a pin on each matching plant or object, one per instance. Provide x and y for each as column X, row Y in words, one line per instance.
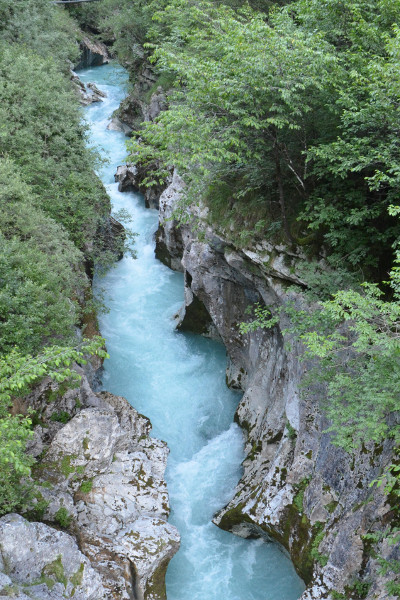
column 286, row 113
column 52, row 211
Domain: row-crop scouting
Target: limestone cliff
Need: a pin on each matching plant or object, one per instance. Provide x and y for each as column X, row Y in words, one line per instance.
column 297, row 487
column 101, row 479
column 93, row 53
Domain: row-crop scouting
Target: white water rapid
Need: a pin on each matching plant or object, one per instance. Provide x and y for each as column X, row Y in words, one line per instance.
column 178, row 381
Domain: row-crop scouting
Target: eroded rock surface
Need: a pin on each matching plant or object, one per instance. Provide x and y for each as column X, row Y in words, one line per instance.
column 103, row 481
column 93, row 54
column 87, row 93
column 136, row 108
column 297, row 487
column 40, row 562
column 131, row 177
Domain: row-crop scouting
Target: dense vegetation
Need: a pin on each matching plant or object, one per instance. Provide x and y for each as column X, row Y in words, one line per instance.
column 291, row 112
column 52, row 211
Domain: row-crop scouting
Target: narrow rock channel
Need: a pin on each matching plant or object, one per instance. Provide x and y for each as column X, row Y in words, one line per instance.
column 178, row 381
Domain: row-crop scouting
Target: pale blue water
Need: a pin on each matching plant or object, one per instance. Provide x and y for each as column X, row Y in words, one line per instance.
column 178, row 381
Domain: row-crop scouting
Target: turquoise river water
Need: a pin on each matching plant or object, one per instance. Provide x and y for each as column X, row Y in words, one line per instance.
column 178, row 381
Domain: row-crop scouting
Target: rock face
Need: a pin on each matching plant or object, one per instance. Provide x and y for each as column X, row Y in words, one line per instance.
column 126, row 178
column 103, row 481
column 40, row 562
column 93, row 54
column 87, row 94
column 145, row 102
column 297, row 487
column 131, row 177
column 170, row 243
column 136, row 108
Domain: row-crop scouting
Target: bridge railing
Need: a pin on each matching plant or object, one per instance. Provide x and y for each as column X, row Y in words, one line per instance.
column 72, row 1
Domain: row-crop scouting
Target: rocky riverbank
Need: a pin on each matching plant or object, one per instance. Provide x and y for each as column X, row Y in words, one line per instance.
column 101, row 499
column 297, row 487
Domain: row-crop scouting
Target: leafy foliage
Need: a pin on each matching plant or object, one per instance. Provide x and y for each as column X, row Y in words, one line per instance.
column 17, row 373
column 52, row 212
column 245, row 86
column 41, row 131
column 355, row 339
column 35, row 24
column 41, row 270
column 294, row 116
column 359, row 354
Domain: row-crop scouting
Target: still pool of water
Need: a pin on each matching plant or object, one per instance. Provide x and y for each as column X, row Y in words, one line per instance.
column 178, row 381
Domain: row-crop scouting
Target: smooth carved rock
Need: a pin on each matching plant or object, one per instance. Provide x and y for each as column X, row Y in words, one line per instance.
column 169, row 240
column 46, row 562
column 134, row 110
column 87, row 93
column 126, row 178
column 296, row 484
column 107, row 476
column 131, row 177
column 117, row 125
column 93, row 54
column 158, row 103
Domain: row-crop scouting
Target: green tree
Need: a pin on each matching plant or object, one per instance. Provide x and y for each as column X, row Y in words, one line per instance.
column 41, row 131
column 42, row 276
column 241, row 110
column 40, row 26
column 357, row 170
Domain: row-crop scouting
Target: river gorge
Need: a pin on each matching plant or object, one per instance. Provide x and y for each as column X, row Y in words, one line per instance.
column 178, row 381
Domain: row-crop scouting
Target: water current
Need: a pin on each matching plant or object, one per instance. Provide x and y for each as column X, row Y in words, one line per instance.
column 178, row 381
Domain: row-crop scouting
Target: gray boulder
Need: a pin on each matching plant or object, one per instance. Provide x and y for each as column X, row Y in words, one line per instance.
column 103, row 481
column 87, row 93
column 40, row 562
column 93, row 54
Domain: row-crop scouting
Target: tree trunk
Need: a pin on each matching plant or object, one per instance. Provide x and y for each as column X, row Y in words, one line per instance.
column 281, row 191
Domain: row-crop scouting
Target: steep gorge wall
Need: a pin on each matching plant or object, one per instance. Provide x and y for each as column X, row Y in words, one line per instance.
column 297, row 487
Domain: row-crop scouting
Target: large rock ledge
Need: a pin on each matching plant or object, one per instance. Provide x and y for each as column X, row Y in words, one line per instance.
column 103, row 482
column 93, row 53
column 297, row 487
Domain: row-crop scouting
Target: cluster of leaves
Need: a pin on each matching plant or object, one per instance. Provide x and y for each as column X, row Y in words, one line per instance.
column 244, row 88
column 35, row 24
column 40, row 270
column 130, row 24
column 355, row 337
column 41, row 131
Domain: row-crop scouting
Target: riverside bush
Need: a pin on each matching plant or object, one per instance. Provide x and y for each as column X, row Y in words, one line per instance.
column 53, row 209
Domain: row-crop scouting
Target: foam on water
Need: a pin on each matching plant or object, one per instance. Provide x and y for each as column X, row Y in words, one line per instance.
column 178, row 380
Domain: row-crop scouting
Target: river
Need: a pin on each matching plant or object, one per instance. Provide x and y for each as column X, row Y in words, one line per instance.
column 178, row 381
